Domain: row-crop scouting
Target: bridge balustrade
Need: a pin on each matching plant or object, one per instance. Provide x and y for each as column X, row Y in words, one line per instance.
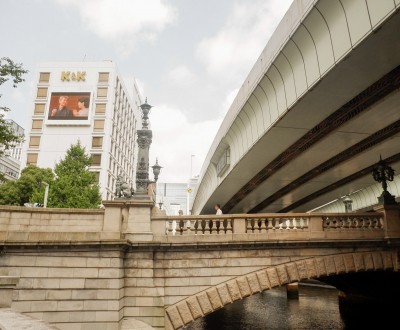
column 353, row 222
column 268, row 226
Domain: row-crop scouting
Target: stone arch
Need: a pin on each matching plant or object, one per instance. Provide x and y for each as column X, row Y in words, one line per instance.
column 216, row 297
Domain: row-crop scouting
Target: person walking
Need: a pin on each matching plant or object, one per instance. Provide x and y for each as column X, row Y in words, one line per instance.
column 218, row 210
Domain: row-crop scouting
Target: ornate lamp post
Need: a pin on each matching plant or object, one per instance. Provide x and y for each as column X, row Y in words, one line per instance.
column 382, row 172
column 144, row 140
column 156, row 170
column 348, row 204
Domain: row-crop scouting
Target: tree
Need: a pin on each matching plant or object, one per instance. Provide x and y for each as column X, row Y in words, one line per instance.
column 28, row 188
column 75, row 186
column 9, row 70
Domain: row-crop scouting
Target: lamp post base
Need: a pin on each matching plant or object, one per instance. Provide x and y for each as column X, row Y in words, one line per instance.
column 387, row 199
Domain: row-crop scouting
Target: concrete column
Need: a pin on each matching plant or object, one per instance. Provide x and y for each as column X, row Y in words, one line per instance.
column 391, row 219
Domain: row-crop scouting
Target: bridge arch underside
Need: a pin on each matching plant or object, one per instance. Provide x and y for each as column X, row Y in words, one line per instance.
column 332, row 269
column 325, row 136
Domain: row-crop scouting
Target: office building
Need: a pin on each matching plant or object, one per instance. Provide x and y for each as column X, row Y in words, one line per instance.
column 86, row 102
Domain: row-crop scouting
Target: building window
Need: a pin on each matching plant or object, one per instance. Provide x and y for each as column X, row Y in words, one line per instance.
column 39, row 108
column 34, row 142
column 99, row 125
column 41, row 93
column 96, row 159
column 97, row 142
column 97, row 176
column 37, row 124
column 102, row 92
column 44, row 77
column 103, row 76
column 32, row 159
column 100, row 108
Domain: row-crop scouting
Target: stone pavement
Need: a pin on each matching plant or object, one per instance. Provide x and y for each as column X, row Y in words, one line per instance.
column 10, row 320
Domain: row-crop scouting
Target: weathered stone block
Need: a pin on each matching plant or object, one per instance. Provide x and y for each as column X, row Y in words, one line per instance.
column 387, row 260
column 72, row 283
column 263, row 280
column 339, row 264
column 44, row 306
column 291, row 269
column 253, row 283
column 330, row 265
column 359, row 261
column 302, row 269
column 107, row 316
column 174, row 317
column 282, row 274
column 244, row 287
column 377, row 259
column 224, row 294
column 349, row 262
column 205, row 303
column 184, row 312
column 214, row 298
column 320, row 265
column 273, row 277
column 194, row 307
column 233, row 290
column 368, row 262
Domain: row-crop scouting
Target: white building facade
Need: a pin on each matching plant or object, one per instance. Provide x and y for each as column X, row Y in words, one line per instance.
column 86, row 102
column 10, row 163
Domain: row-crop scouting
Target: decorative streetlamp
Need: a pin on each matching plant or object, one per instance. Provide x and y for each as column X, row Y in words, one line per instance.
column 348, row 204
column 156, row 170
column 382, row 172
column 144, row 140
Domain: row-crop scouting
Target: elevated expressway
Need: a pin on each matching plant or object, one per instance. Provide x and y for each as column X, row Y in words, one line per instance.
column 315, row 113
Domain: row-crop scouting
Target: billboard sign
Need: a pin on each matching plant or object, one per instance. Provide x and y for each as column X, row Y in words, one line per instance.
column 70, row 106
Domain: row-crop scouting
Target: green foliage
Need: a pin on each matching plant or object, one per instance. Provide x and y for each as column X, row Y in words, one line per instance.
column 72, row 185
column 75, row 186
column 28, row 188
column 14, row 71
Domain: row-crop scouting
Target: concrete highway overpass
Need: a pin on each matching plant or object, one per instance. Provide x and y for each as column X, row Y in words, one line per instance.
column 315, row 113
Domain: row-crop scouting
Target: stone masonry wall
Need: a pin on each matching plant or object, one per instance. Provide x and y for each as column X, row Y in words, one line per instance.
column 72, row 288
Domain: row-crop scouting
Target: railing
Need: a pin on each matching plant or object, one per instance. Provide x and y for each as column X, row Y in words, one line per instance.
column 264, row 224
column 273, row 226
column 199, row 226
column 353, row 222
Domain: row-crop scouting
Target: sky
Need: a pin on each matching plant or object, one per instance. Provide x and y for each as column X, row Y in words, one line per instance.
column 189, row 58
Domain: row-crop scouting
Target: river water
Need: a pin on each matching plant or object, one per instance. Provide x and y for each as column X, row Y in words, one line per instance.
column 316, row 308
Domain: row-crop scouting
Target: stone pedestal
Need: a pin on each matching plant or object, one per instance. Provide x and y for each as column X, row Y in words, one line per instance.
column 391, row 219
column 131, row 217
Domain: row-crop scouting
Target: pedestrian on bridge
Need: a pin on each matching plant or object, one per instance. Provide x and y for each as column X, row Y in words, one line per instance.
column 217, row 208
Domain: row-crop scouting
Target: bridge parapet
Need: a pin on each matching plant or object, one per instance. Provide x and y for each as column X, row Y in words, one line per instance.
column 276, row 226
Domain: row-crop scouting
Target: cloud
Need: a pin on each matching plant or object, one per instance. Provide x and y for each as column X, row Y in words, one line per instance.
column 233, row 50
column 124, row 22
column 181, row 76
column 175, row 140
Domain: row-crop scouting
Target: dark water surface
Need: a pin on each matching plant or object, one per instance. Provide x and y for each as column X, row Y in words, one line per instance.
column 316, row 308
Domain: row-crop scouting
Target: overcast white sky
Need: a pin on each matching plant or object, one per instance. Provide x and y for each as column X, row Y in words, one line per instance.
column 188, row 56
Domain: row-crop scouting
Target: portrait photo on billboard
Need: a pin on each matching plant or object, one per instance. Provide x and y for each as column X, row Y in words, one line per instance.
column 69, row 106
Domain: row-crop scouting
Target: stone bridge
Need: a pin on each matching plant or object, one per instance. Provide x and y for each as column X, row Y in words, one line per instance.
column 129, row 266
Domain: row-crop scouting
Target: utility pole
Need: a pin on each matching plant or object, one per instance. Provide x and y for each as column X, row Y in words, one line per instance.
column 46, row 194
column 188, row 189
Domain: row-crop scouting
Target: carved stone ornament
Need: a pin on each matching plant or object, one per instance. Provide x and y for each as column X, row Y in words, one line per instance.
column 144, row 139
